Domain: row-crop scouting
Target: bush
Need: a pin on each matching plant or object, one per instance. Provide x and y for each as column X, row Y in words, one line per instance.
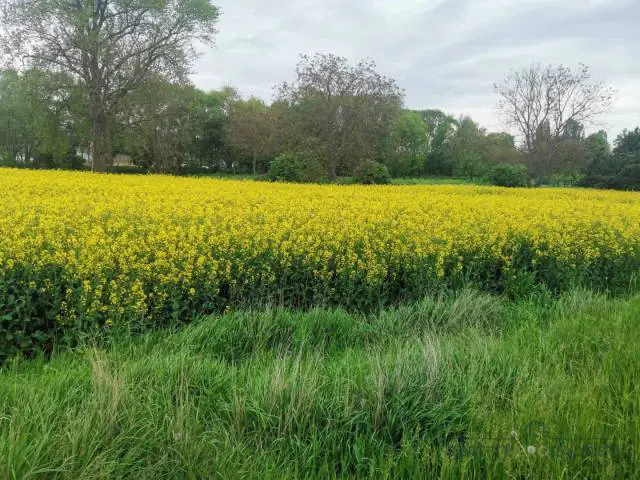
column 469, row 165
column 507, row 175
column 372, row 173
column 405, row 166
column 595, row 181
column 126, row 169
column 296, row 167
column 194, row 170
column 565, row 179
column 627, row 179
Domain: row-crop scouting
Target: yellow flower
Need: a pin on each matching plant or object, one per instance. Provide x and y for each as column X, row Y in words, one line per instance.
column 134, row 245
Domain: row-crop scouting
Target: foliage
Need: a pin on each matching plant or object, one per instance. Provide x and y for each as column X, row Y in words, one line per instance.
column 465, row 149
column 251, row 130
column 411, row 138
column 506, row 175
column 110, row 50
column 296, row 167
column 35, row 124
column 499, row 148
column 211, row 148
column 372, row 173
column 441, row 131
column 565, row 179
column 435, row 181
column 350, row 111
column 598, row 154
column 626, row 179
column 617, row 170
column 449, row 387
column 468, row 164
column 81, row 252
column 161, row 126
column 629, row 177
column 628, row 142
column 171, row 127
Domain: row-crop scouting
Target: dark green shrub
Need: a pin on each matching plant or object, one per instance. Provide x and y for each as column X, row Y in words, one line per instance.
column 194, row 170
column 595, row 181
column 126, row 169
column 72, row 161
column 406, row 166
column 508, row 175
column 296, row 167
column 564, row 179
column 372, row 173
column 627, row 179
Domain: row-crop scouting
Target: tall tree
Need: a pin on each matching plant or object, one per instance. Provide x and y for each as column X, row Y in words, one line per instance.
column 157, row 128
column 500, row 147
column 465, row 148
column 250, row 130
column 441, row 128
column 211, row 147
column 348, row 110
column 626, row 149
column 570, row 154
column 412, row 145
column 597, row 153
column 540, row 103
column 35, row 122
column 108, row 47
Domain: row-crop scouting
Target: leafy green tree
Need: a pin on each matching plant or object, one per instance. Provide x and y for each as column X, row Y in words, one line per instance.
column 346, row 111
column 251, row 130
column 109, row 48
column 626, row 149
column 36, row 126
column 499, row 147
column 619, row 170
column 411, row 139
column 170, row 127
column 441, row 128
column 508, row 175
column 465, row 146
column 597, row 153
column 570, row 154
column 211, row 148
column 372, row 173
column 297, row 167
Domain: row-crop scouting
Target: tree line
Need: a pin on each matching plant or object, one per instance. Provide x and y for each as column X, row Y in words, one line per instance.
column 95, row 81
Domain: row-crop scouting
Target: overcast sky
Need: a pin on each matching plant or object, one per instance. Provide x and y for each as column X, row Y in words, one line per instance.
column 445, row 54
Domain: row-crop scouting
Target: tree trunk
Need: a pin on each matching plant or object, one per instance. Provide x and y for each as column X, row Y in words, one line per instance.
column 333, row 168
column 101, row 154
column 255, row 163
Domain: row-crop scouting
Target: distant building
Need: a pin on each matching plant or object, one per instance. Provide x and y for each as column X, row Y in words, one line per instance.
column 119, row 160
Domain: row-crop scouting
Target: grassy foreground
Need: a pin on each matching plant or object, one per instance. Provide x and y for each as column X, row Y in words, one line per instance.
column 455, row 387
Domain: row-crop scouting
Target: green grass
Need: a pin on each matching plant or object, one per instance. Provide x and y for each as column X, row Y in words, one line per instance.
column 428, row 390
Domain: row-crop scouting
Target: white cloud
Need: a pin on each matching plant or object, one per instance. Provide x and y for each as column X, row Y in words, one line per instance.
column 445, row 53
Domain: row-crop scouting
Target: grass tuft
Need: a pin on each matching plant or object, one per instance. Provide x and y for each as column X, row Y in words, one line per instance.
column 464, row 386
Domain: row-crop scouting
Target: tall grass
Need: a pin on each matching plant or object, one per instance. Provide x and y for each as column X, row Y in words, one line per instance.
column 450, row 387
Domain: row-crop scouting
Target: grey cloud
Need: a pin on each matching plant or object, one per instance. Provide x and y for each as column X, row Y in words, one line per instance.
column 445, row 53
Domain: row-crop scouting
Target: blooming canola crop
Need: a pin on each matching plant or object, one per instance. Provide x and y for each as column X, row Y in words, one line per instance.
column 85, row 249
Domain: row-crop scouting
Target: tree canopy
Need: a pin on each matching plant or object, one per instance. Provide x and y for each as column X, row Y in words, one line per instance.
column 107, row 48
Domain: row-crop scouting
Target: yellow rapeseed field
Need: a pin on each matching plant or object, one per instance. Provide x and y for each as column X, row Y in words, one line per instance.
column 85, row 249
